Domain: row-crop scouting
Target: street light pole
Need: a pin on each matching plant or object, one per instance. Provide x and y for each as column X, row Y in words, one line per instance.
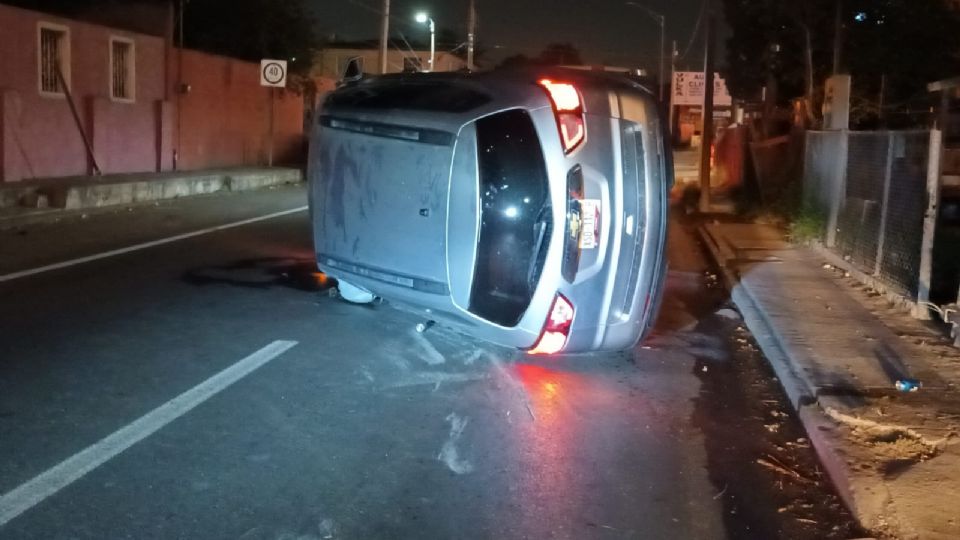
column 424, row 18
column 706, row 144
column 384, row 36
column 662, row 21
column 663, row 38
column 433, row 45
column 471, row 34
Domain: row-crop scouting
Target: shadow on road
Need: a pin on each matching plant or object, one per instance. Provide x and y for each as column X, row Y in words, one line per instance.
column 264, row 273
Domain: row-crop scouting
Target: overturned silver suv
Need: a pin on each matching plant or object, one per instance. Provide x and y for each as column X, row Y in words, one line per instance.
column 527, row 207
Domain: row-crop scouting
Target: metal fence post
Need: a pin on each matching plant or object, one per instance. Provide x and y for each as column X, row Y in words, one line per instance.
column 929, row 225
column 884, row 204
column 839, row 188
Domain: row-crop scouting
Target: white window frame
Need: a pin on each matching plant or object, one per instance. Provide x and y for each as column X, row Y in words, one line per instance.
column 131, row 82
column 64, row 52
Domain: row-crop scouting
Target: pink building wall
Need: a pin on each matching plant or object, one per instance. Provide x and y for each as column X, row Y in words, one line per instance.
column 226, row 114
column 224, row 120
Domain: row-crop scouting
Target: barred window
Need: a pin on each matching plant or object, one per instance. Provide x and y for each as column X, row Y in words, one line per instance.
column 122, row 68
column 54, row 51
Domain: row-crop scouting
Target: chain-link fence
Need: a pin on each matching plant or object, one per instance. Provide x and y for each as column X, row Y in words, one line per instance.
column 874, row 190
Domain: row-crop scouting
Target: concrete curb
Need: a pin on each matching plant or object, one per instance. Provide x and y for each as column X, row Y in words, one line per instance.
column 803, row 398
column 79, row 198
column 713, row 246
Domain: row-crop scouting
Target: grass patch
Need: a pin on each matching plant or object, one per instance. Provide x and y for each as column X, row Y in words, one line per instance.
column 808, row 224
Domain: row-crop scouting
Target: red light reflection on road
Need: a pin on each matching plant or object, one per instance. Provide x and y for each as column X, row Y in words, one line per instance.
column 550, row 444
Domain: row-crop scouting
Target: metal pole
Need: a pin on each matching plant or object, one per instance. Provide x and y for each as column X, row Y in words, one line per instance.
column 384, row 35
column 270, row 149
column 663, row 37
column 471, row 34
column 884, row 207
column 707, row 137
column 883, row 98
column 673, row 69
column 176, row 151
column 837, row 37
column 433, row 45
column 934, row 163
column 76, row 118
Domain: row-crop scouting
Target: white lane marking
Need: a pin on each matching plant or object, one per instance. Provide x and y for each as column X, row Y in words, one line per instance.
column 48, row 483
column 145, row 245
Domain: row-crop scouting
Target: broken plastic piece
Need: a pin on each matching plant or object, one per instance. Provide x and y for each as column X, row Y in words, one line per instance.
column 354, row 294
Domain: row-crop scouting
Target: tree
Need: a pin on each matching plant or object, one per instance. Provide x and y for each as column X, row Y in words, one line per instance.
column 517, row 60
column 555, row 54
column 907, row 43
column 560, row 54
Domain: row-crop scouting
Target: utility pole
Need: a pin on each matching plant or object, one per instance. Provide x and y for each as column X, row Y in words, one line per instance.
column 180, row 87
column 673, row 69
column 707, row 137
column 384, row 36
column 662, row 21
column 471, row 34
column 663, row 38
column 837, row 37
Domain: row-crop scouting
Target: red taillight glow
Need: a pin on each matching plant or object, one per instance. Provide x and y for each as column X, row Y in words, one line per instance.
column 557, row 328
column 564, row 95
column 568, row 108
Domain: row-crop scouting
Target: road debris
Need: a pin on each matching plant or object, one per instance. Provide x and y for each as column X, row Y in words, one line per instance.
column 908, row 385
column 777, row 466
column 728, row 313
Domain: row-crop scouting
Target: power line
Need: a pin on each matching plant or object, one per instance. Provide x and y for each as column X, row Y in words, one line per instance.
column 696, row 30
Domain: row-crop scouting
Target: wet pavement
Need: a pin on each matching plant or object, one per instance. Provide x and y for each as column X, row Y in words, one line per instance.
column 367, row 429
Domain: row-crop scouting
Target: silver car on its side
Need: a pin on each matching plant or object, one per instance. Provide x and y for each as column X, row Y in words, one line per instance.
column 526, row 207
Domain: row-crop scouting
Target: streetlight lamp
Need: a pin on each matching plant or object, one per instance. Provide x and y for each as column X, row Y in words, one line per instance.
column 422, row 18
column 662, row 20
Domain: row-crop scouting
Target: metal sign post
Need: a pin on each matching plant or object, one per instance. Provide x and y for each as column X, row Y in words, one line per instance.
column 270, row 150
column 273, row 74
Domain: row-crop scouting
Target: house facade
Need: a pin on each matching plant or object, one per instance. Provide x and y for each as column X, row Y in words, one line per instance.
column 77, row 97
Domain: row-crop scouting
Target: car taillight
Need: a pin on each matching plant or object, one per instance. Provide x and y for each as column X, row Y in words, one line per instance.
column 557, row 328
column 568, row 109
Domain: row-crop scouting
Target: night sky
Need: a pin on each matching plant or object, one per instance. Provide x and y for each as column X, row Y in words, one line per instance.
column 606, row 31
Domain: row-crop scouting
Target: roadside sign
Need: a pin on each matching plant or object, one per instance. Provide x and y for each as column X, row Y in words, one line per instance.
column 273, row 73
column 687, row 89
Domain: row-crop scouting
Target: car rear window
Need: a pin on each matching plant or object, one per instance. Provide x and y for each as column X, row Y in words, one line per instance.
column 420, row 96
column 515, row 219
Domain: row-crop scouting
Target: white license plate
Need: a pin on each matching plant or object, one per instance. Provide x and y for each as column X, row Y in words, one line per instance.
column 590, row 214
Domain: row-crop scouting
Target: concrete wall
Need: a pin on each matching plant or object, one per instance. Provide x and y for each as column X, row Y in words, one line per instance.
column 41, row 138
column 225, row 115
column 223, row 121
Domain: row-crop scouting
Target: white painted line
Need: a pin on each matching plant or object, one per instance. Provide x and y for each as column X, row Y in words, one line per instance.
column 145, row 245
column 34, row 491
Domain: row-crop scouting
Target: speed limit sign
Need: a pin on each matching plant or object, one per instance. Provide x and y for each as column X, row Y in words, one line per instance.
column 273, row 73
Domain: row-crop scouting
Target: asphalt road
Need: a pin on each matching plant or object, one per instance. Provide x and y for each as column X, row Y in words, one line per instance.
column 209, row 388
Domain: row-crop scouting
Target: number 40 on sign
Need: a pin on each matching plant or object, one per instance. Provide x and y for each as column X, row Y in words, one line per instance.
column 273, row 73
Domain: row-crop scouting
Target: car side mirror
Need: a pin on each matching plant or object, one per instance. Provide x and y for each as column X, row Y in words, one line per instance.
column 353, row 71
